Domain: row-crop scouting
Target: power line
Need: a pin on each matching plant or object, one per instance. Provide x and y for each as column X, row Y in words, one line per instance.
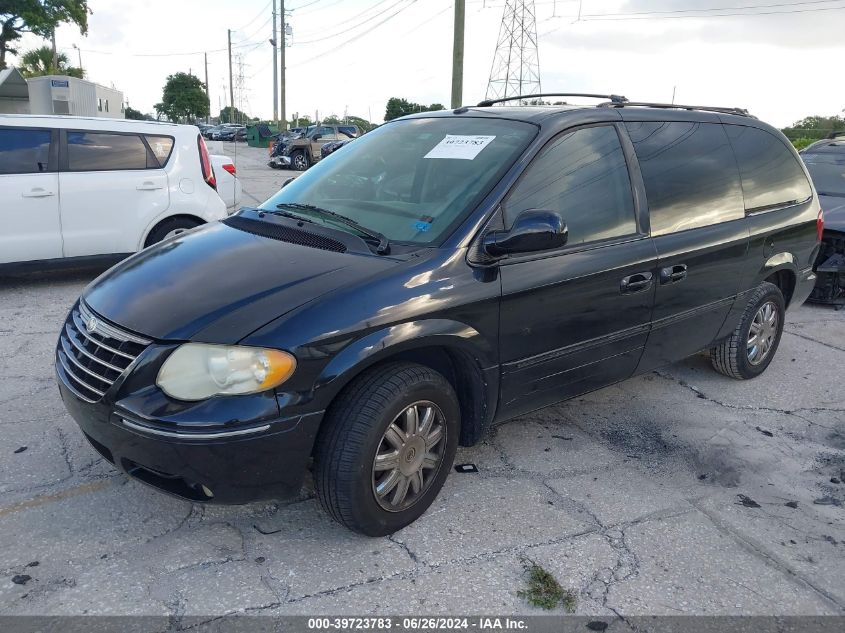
column 712, row 9
column 346, row 29
column 623, row 17
column 334, row 49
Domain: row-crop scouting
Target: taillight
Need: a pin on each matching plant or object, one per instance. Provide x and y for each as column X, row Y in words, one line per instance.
column 205, row 164
column 819, row 225
column 231, row 169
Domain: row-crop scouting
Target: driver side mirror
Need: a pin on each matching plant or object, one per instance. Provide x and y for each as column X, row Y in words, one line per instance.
column 287, row 182
column 534, row 230
column 316, row 137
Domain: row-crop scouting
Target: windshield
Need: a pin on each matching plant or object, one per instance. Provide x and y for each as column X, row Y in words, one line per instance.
column 828, row 172
column 412, row 180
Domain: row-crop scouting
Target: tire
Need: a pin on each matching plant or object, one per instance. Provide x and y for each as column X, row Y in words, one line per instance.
column 354, row 436
column 299, row 161
column 167, row 227
column 738, row 356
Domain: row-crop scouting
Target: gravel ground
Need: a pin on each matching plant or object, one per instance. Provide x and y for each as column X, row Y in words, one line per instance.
column 677, row 492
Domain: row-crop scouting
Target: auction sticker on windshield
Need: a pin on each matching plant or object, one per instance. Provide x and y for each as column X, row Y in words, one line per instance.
column 460, row 147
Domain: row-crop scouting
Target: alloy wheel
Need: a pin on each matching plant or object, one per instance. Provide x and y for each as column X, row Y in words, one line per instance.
column 409, row 456
column 299, row 162
column 762, row 333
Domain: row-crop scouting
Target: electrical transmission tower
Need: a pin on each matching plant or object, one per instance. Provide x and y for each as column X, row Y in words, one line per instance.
column 516, row 64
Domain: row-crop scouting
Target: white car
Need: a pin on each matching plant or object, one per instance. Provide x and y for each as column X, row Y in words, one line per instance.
column 81, row 188
column 228, row 184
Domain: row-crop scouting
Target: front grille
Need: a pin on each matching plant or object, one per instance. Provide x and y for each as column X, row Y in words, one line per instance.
column 285, row 234
column 93, row 353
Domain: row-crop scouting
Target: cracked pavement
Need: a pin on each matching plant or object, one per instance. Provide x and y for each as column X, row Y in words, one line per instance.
column 677, row 492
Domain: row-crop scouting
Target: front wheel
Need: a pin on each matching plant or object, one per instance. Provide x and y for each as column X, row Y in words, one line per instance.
column 386, row 447
column 299, row 161
column 752, row 346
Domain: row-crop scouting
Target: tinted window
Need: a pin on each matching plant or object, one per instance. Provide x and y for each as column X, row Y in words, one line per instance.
column 161, row 147
column 584, row 177
column 690, row 174
column 771, row 175
column 93, row 151
column 828, row 172
column 24, row 151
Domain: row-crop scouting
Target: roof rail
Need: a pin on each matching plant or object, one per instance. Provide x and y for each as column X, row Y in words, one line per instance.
column 675, row 106
column 616, row 99
column 836, row 134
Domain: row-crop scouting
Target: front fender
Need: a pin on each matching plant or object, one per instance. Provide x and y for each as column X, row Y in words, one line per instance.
column 385, row 343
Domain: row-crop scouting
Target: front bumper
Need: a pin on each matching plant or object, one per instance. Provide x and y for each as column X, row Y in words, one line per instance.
column 281, row 161
column 250, row 462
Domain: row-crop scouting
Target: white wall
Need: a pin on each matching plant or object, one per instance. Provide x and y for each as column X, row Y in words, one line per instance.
column 84, row 98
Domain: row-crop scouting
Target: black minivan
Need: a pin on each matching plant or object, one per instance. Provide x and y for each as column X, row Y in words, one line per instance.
column 445, row 272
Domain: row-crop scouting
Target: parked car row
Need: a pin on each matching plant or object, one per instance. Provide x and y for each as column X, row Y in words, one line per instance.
column 443, row 273
column 225, row 132
column 300, row 151
column 75, row 188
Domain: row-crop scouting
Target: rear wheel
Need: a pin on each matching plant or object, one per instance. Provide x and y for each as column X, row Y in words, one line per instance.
column 752, row 346
column 386, row 447
column 299, row 161
column 170, row 228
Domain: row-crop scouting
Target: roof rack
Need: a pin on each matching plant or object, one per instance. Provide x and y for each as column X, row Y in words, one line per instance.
column 615, row 99
column 836, row 134
column 675, row 106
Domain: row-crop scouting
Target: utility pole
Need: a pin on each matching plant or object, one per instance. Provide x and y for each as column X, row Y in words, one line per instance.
column 55, row 52
column 283, row 44
column 275, row 42
column 207, row 93
column 231, row 86
column 458, row 55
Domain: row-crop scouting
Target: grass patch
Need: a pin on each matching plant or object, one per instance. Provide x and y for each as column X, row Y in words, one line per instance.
column 544, row 590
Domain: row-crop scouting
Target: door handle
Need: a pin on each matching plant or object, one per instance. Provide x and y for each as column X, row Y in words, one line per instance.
column 149, row 186
column 37, row 192
column 673, row 274
column 635, row 283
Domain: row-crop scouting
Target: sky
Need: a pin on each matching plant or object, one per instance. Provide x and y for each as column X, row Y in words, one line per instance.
column 781, row 59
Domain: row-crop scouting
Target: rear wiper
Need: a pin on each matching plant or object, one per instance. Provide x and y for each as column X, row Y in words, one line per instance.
column 383, row 247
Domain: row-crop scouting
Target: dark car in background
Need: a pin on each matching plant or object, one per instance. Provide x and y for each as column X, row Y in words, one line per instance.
column 301, row 151
column 825, row 161
column 330, row 148
column 444, row 272
column 231, row 134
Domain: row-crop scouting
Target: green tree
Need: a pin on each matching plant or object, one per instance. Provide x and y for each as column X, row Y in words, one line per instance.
column 397, row 107
column 132, row 113
column 40, row 17
column 228, row 116
column 183, row 99
column 814, row 127
column 302, row 121
column 39, row 62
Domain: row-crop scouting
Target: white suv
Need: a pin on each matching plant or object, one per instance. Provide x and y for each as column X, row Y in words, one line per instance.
column 74, row 187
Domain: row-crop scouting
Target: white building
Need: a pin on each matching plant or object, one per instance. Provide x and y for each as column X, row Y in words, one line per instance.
column 57, row 94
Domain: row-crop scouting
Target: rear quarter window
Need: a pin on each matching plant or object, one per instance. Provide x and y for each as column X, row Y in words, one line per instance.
column 771, row 174
column 161, row 147
column 690, row 174
column 24, row 151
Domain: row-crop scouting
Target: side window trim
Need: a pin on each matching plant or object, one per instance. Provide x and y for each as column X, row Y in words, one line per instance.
column 638, row 198
column 64, row 164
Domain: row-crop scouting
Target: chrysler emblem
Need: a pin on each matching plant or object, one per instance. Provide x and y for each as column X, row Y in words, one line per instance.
column 91, row 326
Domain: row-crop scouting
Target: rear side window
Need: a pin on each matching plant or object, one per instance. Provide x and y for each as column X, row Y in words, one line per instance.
column 583, row 176
column 100, row 151
column 690, row 174
column 161, row 147
column 24, row 151
column 771, row 175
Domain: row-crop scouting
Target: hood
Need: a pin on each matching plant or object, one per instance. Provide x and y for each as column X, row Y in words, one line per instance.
column 834, row 212
column 217, row 284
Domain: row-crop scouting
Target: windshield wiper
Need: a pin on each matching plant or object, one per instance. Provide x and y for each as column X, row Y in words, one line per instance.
column 383, row 247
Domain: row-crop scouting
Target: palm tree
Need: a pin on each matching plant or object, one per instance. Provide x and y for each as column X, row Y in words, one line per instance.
column 39, row 62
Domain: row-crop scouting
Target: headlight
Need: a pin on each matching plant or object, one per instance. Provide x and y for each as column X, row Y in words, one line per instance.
column 196, row 371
